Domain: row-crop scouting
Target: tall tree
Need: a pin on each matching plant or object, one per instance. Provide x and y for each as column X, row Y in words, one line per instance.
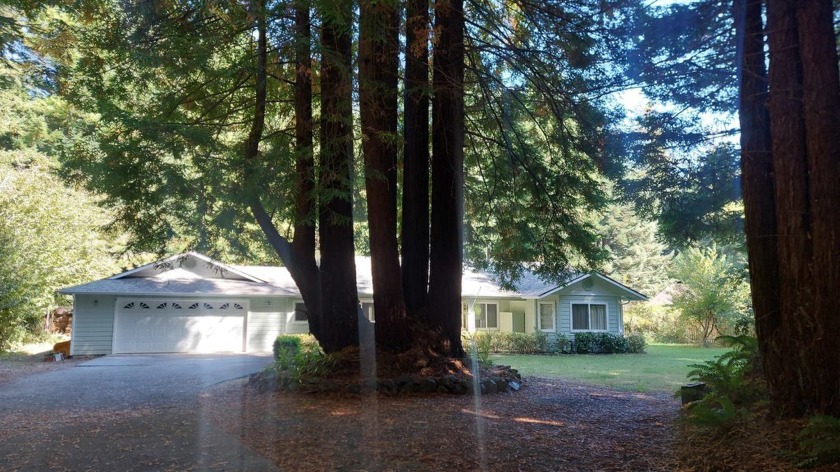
column 339, row 303
column 804, row 102
column 414, row 234
column 447, row 237
column 378, row 64
column 758, row 183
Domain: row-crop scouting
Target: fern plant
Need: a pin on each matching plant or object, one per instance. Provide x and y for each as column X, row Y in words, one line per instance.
column 820, row 441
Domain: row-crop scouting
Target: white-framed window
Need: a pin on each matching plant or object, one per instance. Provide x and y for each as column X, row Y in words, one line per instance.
column 300, row 315
column 589, row 316
column 367, row 309
column 546, row 312
column 486, row 315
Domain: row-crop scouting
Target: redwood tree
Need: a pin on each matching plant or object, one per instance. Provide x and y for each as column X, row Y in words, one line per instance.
column 378, row 63
column 415, row 191
column 799, row 339
column 447, row 237
column 339, row 303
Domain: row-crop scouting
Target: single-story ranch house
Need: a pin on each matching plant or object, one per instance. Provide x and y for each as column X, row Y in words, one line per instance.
column 191, row 303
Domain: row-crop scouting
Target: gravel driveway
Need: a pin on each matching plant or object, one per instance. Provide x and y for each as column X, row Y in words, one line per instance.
column 132, row 412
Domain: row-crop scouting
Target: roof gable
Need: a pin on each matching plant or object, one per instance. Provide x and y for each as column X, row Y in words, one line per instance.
column 595, row 282
column 186, row 266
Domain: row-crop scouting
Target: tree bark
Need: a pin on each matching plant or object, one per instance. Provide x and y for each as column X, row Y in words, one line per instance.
column 820, row 328
column 447, row 240
column 378, row 63
column 303, row 241
column 339, row 304
column 415, row 201
column 790, row 165
column 758, row 184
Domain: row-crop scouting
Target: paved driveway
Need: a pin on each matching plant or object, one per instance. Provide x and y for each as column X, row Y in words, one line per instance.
column 128, row 412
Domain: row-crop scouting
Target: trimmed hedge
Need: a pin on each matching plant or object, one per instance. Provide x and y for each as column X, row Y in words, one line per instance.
column 608, row 343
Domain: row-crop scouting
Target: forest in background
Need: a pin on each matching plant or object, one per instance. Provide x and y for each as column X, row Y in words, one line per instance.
column 626, row 196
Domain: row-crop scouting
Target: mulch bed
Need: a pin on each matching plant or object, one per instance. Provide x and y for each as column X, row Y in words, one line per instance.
column 549, row 425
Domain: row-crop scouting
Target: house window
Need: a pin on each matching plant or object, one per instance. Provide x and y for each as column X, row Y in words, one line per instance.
column 300, row 313
column 367, row 309
column 546, row 316
column 486, row 315
column 589, row 317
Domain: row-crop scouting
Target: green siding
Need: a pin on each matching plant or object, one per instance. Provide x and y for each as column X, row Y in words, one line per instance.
column 93, row 325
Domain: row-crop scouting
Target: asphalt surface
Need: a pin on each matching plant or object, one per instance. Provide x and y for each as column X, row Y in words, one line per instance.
column 128, row 412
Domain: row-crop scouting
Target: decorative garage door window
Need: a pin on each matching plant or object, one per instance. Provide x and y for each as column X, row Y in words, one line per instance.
column 179, row 325
column 222, row 305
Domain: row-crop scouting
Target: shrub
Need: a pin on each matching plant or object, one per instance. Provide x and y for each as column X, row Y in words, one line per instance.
column 297, row 367
column 636, row 343
column 286, row 342
column 586, row 343
column 611, row 343
column 732, row 381
column 562, row 343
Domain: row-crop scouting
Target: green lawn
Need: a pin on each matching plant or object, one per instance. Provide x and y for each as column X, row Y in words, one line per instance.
column 662, row 368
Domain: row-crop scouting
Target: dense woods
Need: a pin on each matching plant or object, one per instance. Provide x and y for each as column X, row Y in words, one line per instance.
column 439, row 133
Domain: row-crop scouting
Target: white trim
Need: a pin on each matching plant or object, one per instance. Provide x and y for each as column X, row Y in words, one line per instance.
column 73, row 327
column 636, row 295
column 498, row 314
column 553, row 318
column 588, row 302
column 198, row 256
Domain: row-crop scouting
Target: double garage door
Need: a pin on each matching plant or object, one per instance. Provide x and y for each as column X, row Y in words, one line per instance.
column 179, row 325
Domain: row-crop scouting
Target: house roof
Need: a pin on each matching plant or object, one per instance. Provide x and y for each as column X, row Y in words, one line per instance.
column 188, row 273
column 198, row 274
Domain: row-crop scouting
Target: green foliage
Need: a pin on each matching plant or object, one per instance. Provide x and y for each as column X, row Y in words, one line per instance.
column 713, row 289
column 820, row 441
column 720, row 414
column 50, row 237
column 286, row 342
column 518, row 343
column 734, row 383
column 609, row 343
column 636, row 256
column 586, row 343
column 604, row 343
column 297, row 367
column 636, row 343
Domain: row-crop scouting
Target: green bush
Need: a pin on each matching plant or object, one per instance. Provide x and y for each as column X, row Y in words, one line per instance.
column 562, row 343
column 636, row 343
column 286, row 342
column 516, row 343
column 732, row 381
column 611, row 343
column 307, row 363
column 586, row 343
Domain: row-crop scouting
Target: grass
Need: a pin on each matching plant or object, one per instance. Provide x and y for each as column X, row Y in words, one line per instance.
column 662, row 368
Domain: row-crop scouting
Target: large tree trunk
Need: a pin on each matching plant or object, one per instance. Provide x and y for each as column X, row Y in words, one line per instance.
column 303, row 242
column 339, row 304
column 758, row 184
column 415, row 201
column 446, row 250
column 378, row 63
column 820, row 328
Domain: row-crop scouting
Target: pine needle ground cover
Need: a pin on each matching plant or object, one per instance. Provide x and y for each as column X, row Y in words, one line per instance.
column 662, row 368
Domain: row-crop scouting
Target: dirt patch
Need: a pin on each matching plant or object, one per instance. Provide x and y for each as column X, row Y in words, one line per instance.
column 549, row 425
column 16, row 366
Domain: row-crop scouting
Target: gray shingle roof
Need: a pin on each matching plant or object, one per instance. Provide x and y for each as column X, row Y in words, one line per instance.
column 277, row 281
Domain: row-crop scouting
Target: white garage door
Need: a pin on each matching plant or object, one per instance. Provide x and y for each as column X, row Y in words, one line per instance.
column 185, row 325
